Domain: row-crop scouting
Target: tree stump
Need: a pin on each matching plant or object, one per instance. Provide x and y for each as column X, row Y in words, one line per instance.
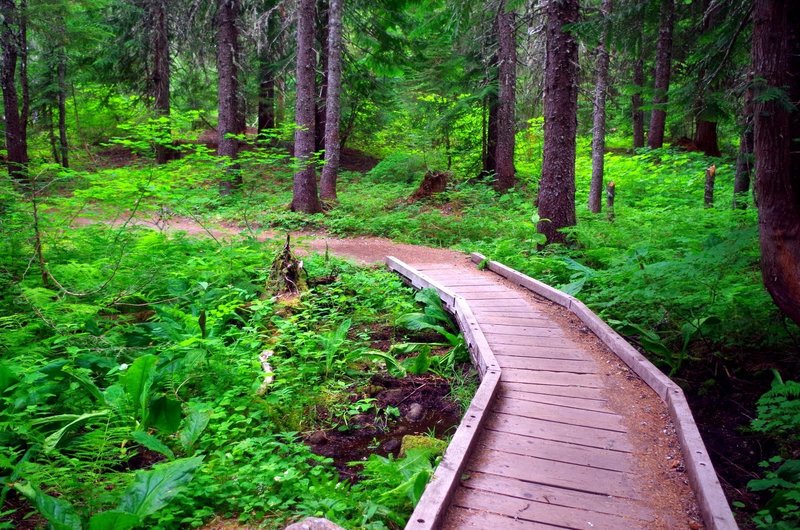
column 711, row 174
column 433, row 182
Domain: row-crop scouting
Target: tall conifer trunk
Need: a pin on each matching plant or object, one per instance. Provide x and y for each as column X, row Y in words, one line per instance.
column 744, row 160
column 557, row 185
column 506, row 97
column 305, row 198
column 599, row 121
column 776, row 58
column 638, row 82
column 16, row 141
column 229, row 115
column 333, row 103
column 160, row 80
column 658, row 117
column 321, row 99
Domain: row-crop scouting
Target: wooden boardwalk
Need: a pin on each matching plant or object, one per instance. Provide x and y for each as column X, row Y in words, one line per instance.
column 550, row 451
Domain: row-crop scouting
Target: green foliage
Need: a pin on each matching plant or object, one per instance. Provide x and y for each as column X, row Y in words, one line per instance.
column 782, row 512
column 778, row 410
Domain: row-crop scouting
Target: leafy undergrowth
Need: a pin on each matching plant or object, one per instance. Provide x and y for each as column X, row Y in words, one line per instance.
column 133, row 389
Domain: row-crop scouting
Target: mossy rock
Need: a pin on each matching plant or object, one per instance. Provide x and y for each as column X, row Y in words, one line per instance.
column 414, row 441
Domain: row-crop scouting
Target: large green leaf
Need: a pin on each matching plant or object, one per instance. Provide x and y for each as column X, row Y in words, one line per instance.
column 154, row 444
column 194, row 424
column 165, row 415
column 114, row 520
column 75, row 421
column 151, row 490
column 137, row 381
column 59, row 513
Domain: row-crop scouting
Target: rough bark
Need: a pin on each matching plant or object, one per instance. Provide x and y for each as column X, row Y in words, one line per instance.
column 16, row 142
column 61, row 99
column 708, row 193
column 333, row 103
column 160, row 75
column 636, row 102
column 557, row 185
column 25, row 109
column 490, row 158
column 744, row 160
column 776, row 57
column 322, row 68
column 305, row 198
column 658, row 117
column 506, row 97
column 705, row 137
column 599, row 116
column 228, row 88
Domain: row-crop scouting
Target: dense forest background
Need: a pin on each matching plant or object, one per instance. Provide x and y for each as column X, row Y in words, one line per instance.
column 640, row 155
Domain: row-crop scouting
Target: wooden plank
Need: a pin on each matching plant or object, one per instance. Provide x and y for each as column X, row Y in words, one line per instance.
column 420, row 281
column 557, row 413
column 534, row 350
column 556, row 496
column 558, row 474
column 558, row 451
column 516, row 340
column 492, row 295
column 484, row 288
column 553, row 365
column 522, row 331
column 517, row 319
column 572, row 402
column 460, row 518
column 542, row 289
column 517, row 375
column 539, row 512
column 555, row 390
column 548, row 430
column 519, row 305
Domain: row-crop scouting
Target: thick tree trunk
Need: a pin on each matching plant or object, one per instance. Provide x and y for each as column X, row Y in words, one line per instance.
column 322, row 68
column 658, row 117
column 61, row 97
column 305, row 198
column 557, row 184
column 705, row 137
column 599, row 121
column 506, row 97
column 776, row 57
column 16, row 142
column 333, row 103
column 25, row 110
column 160, row 79
column 229, row 121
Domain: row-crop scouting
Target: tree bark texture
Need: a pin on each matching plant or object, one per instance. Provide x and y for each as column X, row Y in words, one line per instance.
column 25, row 110
column 228, row 86
column 705, row 137
column 305, row 198
column 490, row 158
column 333, row 101
column 160, row 75
column 61, row 97
column 776, row 57
column 744, row 160
column 322, row 68
column 599, row 117
column 658, row 117
column 636, row 102
column 506, row 97
column 557, row 184
column 16, row 142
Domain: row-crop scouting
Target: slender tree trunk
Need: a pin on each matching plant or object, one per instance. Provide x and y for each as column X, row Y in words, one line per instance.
column 599, row 121
column 51, row 134
column 557, row 184
column 658, row 117
column 333, row 104
column 228, row 89
column 61, row 97
column 25, row 111
column 744, row 160
column 490, row 160
column 506, row 96
column 776, row 57
column 16, row 142
column 322, row 67
column 160, row 75
column 305, row 198
column 638, row 81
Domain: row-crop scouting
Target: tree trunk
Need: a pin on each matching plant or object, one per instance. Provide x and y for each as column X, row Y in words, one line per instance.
column 51, row 134
column 160, row 76
column 333, row 103
column 776, row 57
column 304, row 198
column 636, row 98
column 599, row 121
column 61, row 98
column 25, row 110
column 557, row 185
column 506, row 100
column 16, row 142
column 744, row 160
column 658, row 117
column 490, row 160
column 322, row 67
column 228, row 88
column 705, row 137
column 266, row 97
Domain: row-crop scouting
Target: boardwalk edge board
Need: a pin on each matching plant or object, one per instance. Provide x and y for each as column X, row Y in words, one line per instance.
column 714, row 506
column 431, row 508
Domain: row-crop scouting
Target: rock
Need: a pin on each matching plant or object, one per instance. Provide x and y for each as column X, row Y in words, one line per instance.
column 411, row 441
column 318, row 438
column 313, row 523
column 392, row 445
column 415, row 412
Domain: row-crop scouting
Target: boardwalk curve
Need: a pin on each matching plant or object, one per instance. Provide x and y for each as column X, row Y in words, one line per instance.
column 539, row 446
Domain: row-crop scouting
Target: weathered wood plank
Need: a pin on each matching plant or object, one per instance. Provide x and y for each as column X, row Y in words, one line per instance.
column 548, row 430
column 558, row 451
column 572, row 402
column 542, row 411
column 460, row 518
column 555, row 390
column 551, row 365
column 517, row 375
column 519, row 305
column 522, row 331
column 538, row 512
column 516, row 340
column 546, row 352
column 497, row 295
column 559, row 474
column 527, row 319
column 557, row 496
